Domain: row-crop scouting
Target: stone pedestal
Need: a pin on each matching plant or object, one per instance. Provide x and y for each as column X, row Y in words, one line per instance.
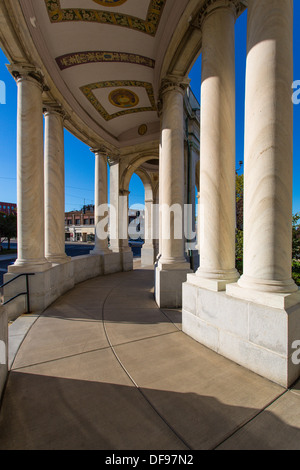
column 256, row 322
column 257, row 337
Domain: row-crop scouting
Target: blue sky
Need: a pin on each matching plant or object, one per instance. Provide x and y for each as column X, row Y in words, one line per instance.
column 79, row 161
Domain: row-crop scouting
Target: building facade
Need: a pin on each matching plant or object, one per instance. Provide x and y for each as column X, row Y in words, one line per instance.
column 8, row 208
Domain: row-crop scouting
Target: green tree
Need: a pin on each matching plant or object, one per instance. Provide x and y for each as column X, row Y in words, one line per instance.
column 296, row 236
column 8, row 228
column 239, row 222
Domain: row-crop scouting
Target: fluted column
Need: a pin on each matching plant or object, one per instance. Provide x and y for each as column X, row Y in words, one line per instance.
column 54, row 185
column 216, row 214
column 30, row 171
column 101, row 200
column 269, row 148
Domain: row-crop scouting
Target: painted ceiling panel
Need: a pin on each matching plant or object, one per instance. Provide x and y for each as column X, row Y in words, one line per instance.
column 106, row 52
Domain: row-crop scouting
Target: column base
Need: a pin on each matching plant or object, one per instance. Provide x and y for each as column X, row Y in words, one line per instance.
column 59, row 259
column 268, row 299
column 214, row 281
column 97, row 252
column 32, row 266
column 276, row 287
column 168, row 283
column 258, row 337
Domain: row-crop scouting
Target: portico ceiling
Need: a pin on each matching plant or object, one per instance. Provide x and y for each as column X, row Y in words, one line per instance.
column 106, row 58
column 104, row 55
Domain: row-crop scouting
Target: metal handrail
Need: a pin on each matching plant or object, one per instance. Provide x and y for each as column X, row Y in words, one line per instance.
column 22, row 293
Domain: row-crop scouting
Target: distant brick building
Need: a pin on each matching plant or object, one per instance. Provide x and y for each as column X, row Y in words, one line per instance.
column 8, row 208
column 80, row 225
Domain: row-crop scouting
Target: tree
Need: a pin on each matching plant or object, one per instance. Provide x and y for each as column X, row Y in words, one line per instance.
column 8, row 227
column 239, row 201
column 239, row 222
column 296, row 236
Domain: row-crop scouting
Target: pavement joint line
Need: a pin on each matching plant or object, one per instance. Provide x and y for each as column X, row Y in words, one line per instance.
column 139, row 388
column 89, row 351
column 256, row 415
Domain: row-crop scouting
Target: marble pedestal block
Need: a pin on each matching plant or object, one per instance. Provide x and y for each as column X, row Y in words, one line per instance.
column 3, row 348
column 148, row 255
column 258, row 337
column 168, row 285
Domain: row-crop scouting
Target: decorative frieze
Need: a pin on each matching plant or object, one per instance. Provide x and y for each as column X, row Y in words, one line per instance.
column 57, row 14
column 90, row 57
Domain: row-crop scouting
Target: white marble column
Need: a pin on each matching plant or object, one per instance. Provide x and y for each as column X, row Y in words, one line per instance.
column 124, row 221
column 148, row 249
column 216, row 213
column 172, row 175
column 30, row 171
column 269, row 148
column 114, row 172
column 54, row 185
column 172, row 266
column 101, row 201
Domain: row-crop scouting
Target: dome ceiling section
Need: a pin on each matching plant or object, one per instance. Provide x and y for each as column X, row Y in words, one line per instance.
column 105, row 53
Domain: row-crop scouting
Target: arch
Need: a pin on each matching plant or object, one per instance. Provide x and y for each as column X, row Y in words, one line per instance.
column 133, row 166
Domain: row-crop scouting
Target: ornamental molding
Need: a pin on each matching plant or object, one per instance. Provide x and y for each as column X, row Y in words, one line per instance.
column 22, row 72
column 88, row 91
column 209, row 6
column 54, row 108
column 113, row 159
column 149, row 26
column 171, row 83
column 90, row 57
column 101, row 150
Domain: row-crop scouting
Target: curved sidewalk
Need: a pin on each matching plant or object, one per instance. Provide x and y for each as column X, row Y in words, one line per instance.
column 104, row 368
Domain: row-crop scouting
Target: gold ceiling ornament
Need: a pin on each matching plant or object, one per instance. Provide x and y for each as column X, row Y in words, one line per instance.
column 88, row 91
column 110, row 3
column 143, row 129
column 57, row 14
column 123, row 98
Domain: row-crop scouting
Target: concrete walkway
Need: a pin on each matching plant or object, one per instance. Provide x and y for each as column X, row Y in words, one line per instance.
column 104, row 368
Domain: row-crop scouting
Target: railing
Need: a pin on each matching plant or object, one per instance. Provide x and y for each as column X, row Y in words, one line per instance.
column 27, row 293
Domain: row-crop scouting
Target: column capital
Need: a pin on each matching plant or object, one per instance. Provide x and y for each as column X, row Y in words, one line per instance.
column 54, row 108
column 173, row 83
column 101, row 150
column 113, row 159
column 29, row 72
column 124, row 192
column 210, row 6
